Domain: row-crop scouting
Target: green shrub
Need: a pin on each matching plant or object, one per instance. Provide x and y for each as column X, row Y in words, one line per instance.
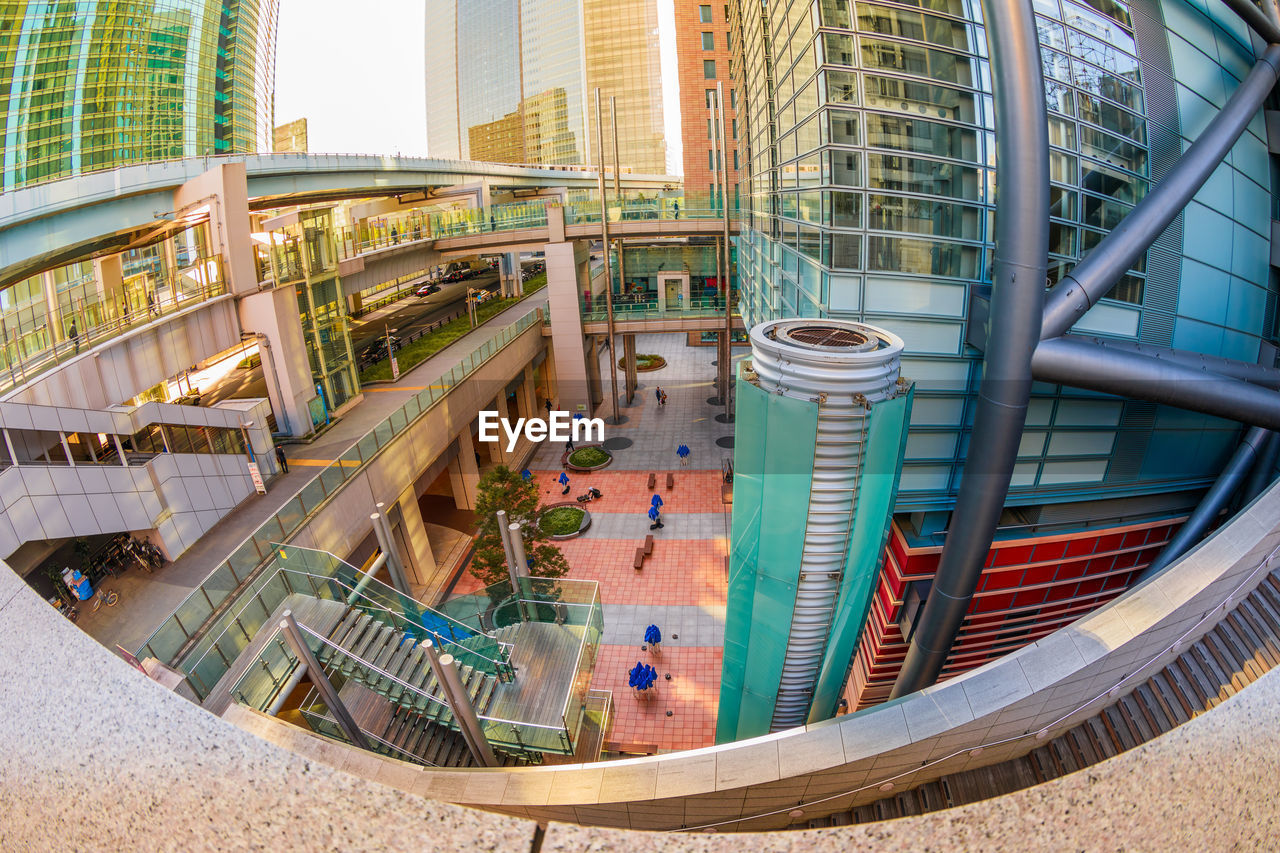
column 588, row 457
column 561, row 521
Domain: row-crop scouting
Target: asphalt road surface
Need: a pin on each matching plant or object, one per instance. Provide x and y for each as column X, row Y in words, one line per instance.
column 415, row 312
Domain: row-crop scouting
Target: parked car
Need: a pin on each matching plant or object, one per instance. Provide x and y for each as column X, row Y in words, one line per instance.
column 377, row 351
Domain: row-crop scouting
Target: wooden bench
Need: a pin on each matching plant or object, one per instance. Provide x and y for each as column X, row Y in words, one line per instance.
column 639, row 562
column 653, row 479
column 648, row 545
column 671, row 481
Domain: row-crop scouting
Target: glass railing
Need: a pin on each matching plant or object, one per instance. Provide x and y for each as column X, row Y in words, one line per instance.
column 628, row 308
column 30, row 347
column 172, row 642
column 324, row 576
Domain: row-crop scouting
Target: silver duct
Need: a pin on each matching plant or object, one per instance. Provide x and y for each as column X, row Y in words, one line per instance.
column 845, row 367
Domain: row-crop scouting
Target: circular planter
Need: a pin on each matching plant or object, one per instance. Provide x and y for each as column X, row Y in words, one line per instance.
column 583, row 469
column 654, row 362
column 582, row 526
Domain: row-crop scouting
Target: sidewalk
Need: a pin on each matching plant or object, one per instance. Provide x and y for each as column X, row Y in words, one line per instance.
column 146, row 600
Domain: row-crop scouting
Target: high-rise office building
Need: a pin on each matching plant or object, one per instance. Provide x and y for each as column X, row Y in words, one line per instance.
column 703, row 58
column 866, row 133
column 510, row 79
column 290, row 138
column 94, row 85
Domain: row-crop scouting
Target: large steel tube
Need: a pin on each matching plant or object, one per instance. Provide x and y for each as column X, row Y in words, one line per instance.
column 1211, row 366
column 846, row 367
column 1068, row 361
column 1017, row 302
column 1211, row 504
column 1255, row 18
column 1098, row 272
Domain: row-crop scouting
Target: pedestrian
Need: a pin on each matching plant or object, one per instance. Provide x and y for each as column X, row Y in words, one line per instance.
column 663, row 402
column 74, row 334
column 493, row 223
column 550, row 405
column 282, row 459
column 655, row 517
column 568, row 447
column 151, row 304
column 395, row 235
column 657, row 394
column 564, row 481
column 677, row 210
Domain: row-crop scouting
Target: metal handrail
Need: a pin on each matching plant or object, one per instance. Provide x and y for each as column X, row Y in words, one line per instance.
column 370, row 735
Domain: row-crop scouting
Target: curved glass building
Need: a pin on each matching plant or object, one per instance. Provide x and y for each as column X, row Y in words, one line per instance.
column 869, row 190
column 95, row 85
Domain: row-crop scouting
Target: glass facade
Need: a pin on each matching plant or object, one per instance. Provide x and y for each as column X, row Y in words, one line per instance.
column 868, row 188
column 515, row 82
column 96, row 85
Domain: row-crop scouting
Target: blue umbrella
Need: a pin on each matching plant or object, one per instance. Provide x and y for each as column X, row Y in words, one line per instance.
column 564, row 479
column 577, row 416
column 657, row 501
column 652, row 635
column 653, row 513
column 526, row 475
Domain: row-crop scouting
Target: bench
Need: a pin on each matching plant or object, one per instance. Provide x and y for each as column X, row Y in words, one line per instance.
column 671, row 481
column 639, row 562
column 653, row 479
column 648, row 545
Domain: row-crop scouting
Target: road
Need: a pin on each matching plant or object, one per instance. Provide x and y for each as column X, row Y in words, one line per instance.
column 410, row 313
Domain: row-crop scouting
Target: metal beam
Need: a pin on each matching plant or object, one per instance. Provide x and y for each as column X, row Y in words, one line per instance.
column 1067, row 361
column 293, row 635
column 1017, row 302
column 1257, row 20
column 1098, row 272
column 1214, row 500
column 1210, row 366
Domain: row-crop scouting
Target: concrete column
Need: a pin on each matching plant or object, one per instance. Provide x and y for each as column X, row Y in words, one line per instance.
column 420, row 560
column 497, row 449
column 395, row 566
column 567, row 266
column 594, row 382
column 274, row 314
column 110, row 277
column 224, row 189
column 528, row 394
column 629, row 369
column 464, row 475
column 53, row 311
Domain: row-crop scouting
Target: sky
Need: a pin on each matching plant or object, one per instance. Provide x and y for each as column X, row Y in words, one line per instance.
column 354, row 71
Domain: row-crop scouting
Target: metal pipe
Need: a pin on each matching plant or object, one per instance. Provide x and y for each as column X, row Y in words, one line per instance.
column 728, row 257
column 1263, row 472
column 1076, row 363
column 365, row 579
column 608, row 267
column 1097, row 273
column 1212, row 503
column 1211, row 366
column 1255, row 18
column 513, row 571
column 295, row 678
column 293, row 635
column 269, row 366
column 1017, row 302
column 521, row 569
column 622, row 266
column 446, row 670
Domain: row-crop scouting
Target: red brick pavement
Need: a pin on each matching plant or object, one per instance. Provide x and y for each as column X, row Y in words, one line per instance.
column 627, row 491
column 640, row 722
column 681, row 571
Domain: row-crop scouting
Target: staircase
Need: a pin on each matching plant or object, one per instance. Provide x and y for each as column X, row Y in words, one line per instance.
column 1236, row 652
column 392, row 692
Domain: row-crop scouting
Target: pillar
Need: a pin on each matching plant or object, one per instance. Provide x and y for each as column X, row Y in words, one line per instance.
column 567, row 277
column 420, row 560
column 497, row 449
column 224, row 190
column 629, row 367
column 594, row 383
column 274, row 314
column 528, row 394
column 464, row 475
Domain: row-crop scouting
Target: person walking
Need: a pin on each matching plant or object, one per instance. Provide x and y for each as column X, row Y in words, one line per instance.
column 282, row 459
column 568, row 446
column 657, row 394
column 655, row 517
column 677, row 206
column 493, row 223
column 74, row 334
column 550, row 405
column 663, row 401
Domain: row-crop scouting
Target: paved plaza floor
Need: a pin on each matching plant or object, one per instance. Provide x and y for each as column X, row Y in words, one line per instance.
column 682, row 587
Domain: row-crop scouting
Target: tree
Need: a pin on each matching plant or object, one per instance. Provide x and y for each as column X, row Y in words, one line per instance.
column 502, row 488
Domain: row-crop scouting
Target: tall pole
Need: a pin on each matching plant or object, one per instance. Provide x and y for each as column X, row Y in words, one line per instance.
column 513, row 567
column 728, row 256
column 464, row 713
column 622, row 265
column 293, row 634
column 608, row 266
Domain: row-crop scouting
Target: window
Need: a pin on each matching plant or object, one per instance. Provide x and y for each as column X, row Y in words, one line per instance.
column 733, row 99
column 710, row 130
column 728, row 41
column 711, row 160
column 711, row 98
column 708, row 41
column 704, row 14
column 709, row 69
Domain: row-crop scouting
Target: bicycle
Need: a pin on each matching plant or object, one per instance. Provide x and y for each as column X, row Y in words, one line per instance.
column 110, row 596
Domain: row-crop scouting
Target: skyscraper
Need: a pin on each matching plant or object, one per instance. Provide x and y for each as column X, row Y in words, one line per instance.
column 516, row 78
column 95, row 85
column 866, row 132
column 703, row 57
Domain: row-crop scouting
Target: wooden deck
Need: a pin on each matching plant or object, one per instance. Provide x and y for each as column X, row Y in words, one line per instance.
column 546, row 661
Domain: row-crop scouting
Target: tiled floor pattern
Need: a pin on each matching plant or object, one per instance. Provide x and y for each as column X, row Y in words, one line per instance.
column 627, row 491
column 688, row 571
column 640, row 721
column 684, row 625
